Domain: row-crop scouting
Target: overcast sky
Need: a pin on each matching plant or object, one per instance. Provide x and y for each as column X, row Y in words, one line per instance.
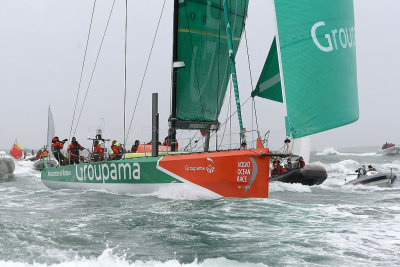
column 42, row 44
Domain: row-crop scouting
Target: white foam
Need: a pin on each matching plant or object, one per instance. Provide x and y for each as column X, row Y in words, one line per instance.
column 330, row 151
column 185, row 192
column 280, row 187
column 107, row 258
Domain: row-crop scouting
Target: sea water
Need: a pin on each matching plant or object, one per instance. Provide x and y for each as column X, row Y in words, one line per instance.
column 329, row 224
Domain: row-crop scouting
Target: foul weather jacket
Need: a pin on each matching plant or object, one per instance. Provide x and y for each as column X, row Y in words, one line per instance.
column 74, row 148
column 98, row 153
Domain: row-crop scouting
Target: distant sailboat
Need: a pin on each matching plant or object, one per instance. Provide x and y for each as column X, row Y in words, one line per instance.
column 49, row 161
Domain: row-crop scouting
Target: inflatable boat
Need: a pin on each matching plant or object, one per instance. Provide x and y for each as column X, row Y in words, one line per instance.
column 383, row 179
column 310, row 174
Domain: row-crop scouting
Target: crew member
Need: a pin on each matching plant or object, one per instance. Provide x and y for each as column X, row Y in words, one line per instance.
column 361, row 171
column 73, row 150
column 45, row 153
column 38, row 154
column 301, row 162
column 370, row 168
column 169, row 142
column 98, row 152
column 135, row 146
column 56, row 146
column 279, row 168
column 116, row 150
column 289, row 164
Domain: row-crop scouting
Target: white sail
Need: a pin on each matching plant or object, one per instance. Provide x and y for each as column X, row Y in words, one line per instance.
column 50, row 128
column 302, row 147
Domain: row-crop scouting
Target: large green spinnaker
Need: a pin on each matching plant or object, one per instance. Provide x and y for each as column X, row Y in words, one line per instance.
column 269, row 83
column 203, row 47
column 316, row 40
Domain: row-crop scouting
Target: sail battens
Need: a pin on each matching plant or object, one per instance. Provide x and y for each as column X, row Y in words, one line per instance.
column 202, row 45
column 208, row 34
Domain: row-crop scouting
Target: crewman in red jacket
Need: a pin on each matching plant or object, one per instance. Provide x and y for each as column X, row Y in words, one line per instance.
column 98, row 152
column 56, row 146
column 117, row 150
column 73, row 150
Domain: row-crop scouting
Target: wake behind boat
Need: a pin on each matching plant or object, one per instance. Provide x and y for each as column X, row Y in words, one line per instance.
column 375, row 178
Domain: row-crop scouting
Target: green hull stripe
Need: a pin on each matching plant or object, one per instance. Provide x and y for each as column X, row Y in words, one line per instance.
column 130, row 171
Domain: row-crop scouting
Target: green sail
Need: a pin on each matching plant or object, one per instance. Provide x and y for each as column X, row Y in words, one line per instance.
column 318, row 61
column 202, row 46
column 269, row 83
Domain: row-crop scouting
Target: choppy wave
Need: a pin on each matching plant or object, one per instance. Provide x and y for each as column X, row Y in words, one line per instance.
column 107, row 259
column 330, row 151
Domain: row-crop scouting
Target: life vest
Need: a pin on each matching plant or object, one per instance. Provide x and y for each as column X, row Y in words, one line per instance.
column 45, row 154
column 98, row 153
column 117, row 150
column 165, row 143
column 56, row 146
column 74, row 148
column 280, row 170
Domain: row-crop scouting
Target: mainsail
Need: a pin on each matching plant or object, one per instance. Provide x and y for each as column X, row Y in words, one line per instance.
column 317, row 50
column 202, row 46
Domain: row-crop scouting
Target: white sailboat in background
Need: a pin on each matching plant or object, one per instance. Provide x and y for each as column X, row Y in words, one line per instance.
column 45, row 154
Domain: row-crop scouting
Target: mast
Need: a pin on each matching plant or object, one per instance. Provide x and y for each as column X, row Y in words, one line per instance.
column 172, row 121
column 233, row 68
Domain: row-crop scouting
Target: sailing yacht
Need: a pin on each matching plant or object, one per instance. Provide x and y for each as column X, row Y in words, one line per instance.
column 206, row 37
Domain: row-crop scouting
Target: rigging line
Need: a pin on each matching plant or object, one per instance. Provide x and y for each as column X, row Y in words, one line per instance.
column 251, row 77
column 191, row 139
column 223, row 134
column 195, row 68
column 228, row 110
column 94, row 66
column 218, row 66
column 145, row 70
column 125, row 54
column 244, row 103
column 82, row 68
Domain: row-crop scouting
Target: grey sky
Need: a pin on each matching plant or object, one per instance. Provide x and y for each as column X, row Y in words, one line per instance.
column 41, row 51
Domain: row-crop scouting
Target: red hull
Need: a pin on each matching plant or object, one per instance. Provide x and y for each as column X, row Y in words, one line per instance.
column 238, row 173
